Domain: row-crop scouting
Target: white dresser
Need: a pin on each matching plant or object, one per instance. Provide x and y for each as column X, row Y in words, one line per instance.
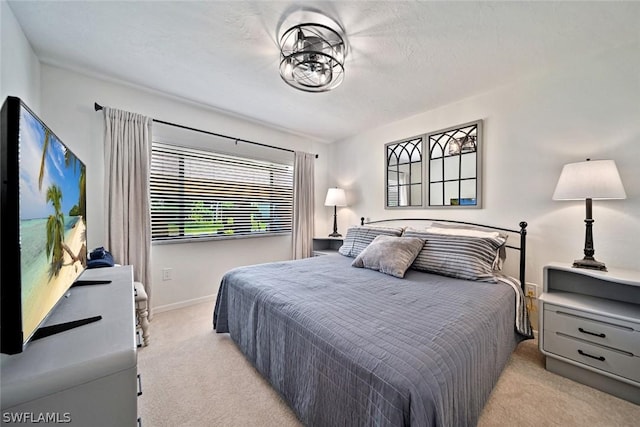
column 590, row 327
column 86, row 376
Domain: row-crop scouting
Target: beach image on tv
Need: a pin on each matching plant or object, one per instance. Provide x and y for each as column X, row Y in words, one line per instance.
column 52, row 220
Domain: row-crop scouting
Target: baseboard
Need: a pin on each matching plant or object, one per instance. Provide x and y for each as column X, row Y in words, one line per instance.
column 182, row 304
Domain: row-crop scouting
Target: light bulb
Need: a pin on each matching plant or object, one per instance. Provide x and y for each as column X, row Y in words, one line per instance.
column 288, row 67
column 299, row 41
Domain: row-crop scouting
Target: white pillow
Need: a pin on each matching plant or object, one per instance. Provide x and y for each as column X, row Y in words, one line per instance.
column 469, row 232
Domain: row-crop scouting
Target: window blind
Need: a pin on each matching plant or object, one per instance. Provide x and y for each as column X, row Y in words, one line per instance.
column 198, row 194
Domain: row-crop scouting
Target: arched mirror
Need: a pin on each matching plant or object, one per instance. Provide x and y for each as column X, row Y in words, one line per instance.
column 454, row 166
column 404, row 173
column 440, row 169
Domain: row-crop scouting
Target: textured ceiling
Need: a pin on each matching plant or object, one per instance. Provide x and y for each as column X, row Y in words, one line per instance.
column 404, row 58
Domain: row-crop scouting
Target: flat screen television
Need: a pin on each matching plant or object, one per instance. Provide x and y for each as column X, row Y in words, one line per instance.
column 43, row 243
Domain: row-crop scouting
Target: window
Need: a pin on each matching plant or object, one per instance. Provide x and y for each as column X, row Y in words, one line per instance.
column 197, row 194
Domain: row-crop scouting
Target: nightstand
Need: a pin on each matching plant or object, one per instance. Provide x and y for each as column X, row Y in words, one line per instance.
column 326, row 245
column 590, row 327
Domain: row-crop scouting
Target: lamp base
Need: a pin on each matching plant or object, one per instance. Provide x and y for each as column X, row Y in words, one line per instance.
column 589, row 263
column 334, row 234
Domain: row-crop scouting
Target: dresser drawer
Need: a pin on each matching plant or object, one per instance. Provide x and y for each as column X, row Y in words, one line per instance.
column 601, row 330
column 615, row 362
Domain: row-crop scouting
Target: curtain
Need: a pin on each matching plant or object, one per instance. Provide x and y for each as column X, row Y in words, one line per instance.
column 303, row 203
column 127, row 155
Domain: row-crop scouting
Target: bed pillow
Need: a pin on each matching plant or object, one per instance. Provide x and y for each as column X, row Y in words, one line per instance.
column 359, row 237
column 461, row 256
column 463, row 230
column 389, row 254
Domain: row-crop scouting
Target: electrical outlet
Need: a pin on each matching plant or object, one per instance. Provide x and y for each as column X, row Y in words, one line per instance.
column 531, row 290
column 167, row 273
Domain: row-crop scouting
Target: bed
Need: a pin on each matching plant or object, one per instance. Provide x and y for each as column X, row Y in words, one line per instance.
column 349, row 346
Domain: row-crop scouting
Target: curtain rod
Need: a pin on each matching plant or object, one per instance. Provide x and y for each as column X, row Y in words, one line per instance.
column 99, row 107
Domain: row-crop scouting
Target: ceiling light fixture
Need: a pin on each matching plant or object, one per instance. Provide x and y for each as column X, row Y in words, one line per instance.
column 312, row 56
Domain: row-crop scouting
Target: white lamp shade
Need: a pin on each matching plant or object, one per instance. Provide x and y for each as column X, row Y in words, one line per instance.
column 596, row 179
column 335, row 197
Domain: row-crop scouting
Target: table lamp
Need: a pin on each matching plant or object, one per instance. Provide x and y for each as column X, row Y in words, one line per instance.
column 589, row 180
column 335, row 197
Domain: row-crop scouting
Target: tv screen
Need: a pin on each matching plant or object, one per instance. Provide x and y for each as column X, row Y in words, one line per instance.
column 43, row 226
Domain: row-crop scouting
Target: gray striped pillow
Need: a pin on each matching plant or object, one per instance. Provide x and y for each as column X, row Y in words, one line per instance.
column 359, row 237
column 464, row 257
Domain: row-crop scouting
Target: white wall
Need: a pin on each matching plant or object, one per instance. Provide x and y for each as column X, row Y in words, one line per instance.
column 67, row 107
column 19, row 66
column 588, row 108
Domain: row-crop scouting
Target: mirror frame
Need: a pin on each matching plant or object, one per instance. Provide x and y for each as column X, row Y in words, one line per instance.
column 425, row 183
column 421, row 148
column 478, row 171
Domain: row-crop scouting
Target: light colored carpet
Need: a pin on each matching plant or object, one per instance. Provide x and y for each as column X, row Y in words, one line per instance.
column 192, row 376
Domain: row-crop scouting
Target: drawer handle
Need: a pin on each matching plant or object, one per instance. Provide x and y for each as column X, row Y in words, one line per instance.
column 600, row 358
column 140, row 385
column 595, row 334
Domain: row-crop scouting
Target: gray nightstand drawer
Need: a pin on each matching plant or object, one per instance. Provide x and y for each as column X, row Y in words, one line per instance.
column 615, row 362
column 597, row 329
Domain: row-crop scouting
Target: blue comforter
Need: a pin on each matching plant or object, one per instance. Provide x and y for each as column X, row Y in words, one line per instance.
column 348, row 346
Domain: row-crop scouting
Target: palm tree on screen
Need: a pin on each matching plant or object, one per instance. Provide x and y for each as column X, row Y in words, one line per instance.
column 55, row 230
column 71, row 159
column 45, row 147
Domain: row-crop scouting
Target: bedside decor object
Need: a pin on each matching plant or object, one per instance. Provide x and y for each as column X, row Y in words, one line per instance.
column 335, row 197
column 588, row 180
column 312, row 54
